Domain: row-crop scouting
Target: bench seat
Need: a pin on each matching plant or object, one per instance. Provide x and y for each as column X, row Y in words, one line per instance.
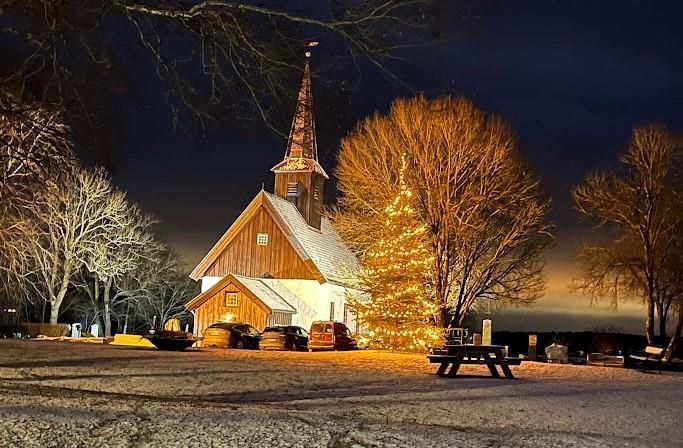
column 436, row 359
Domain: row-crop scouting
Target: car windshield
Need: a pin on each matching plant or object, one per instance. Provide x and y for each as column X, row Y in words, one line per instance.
column 274, row 330
column 317, row 328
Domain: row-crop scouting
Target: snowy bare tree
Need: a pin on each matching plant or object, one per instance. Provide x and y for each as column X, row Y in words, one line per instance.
column 117, row 252
column 55, row 233
column 34, row 150
column 481, row 203
column 636, row 210
column 159, row 287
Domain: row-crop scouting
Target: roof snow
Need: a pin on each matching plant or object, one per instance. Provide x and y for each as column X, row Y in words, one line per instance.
column 324, row 247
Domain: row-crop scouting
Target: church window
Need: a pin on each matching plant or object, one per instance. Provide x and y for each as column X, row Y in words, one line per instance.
column 262, row 239
column 231, row 299
column 316, row 193
column 293, row 189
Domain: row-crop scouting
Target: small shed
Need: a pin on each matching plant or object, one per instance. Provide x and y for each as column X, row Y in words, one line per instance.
column 242, row 299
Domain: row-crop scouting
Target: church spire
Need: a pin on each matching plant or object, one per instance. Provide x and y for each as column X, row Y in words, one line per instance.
column 299, row 178
column 302, row 146
column 302, row 141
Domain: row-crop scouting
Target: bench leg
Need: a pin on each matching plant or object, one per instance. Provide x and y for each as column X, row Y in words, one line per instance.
column 442, row 369
column 492, row 367
column 506, row 371
column 494, row 371
column 454, row 370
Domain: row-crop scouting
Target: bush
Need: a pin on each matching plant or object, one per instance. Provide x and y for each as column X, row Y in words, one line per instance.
column 51, row 330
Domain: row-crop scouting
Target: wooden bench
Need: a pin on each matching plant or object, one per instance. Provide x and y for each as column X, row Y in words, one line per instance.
column 651, row 357
column 453, row 356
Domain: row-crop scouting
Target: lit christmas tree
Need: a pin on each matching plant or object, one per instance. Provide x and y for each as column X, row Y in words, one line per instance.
column 399, row 311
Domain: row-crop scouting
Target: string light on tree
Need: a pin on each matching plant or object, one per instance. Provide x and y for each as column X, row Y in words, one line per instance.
column 399, row 312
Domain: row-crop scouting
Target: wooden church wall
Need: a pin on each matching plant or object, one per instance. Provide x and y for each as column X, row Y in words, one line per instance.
column 244, row 257
column 248, row 310
column 308, row 206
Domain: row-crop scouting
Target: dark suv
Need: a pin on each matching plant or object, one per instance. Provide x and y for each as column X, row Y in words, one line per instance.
column 329, row 335
column 284, row 337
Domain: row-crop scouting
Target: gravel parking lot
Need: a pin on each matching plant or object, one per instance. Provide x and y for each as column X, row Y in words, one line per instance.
column 68, row 394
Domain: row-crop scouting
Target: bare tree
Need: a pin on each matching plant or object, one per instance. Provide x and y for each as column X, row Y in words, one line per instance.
column 55, row 233
column 158, row 288
column 209, row 53
column 480, row 201
column 119, row 251
column 636, row 212
column 34, row 144
column 34, row 151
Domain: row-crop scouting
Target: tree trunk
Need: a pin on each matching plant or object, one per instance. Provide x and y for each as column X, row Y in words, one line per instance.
column 96, row 300
column 650, row 320
column 56, row 301
column 54, row 313
column 661, row 319
column 107, row 312
column 675, row 337
column 444, row 320
column 94, row 295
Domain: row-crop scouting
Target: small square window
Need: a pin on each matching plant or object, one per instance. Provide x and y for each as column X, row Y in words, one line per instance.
column 231, row 299
column 262, row 239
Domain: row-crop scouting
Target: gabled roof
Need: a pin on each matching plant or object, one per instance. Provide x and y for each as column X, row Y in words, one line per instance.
column 254, row 287
column 266, row 294
column 324, row 247
column 323, row 251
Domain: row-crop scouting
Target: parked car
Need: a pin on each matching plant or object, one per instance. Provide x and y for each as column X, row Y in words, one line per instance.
column 231, row 335
column 284, row 337
column 329, row 335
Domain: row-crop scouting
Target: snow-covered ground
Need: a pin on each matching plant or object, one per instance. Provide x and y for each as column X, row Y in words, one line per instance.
column 66, row 394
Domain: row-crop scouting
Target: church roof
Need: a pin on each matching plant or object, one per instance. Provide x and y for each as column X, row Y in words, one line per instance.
column 256, row 287
column 266, row 294
column 323, row 249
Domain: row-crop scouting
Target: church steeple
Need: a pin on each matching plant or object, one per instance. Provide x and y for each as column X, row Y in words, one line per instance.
column 299, row 177
column 302, row 141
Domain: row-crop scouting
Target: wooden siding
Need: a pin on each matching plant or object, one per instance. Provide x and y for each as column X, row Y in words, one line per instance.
column 248, row 310
column 243, row 256
column 306, row 203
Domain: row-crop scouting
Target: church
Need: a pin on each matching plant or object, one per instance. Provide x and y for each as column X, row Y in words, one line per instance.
column 281, row 261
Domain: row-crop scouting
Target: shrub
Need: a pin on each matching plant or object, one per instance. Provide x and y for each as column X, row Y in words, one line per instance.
column 51, row 330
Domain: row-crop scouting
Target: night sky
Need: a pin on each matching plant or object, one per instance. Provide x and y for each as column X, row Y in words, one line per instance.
column 572, row 78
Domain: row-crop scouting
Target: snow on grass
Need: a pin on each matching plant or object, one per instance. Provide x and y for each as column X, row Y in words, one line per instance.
column 364, row 398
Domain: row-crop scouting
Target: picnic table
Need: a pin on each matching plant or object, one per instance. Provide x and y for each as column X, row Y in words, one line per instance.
column 454, row 355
